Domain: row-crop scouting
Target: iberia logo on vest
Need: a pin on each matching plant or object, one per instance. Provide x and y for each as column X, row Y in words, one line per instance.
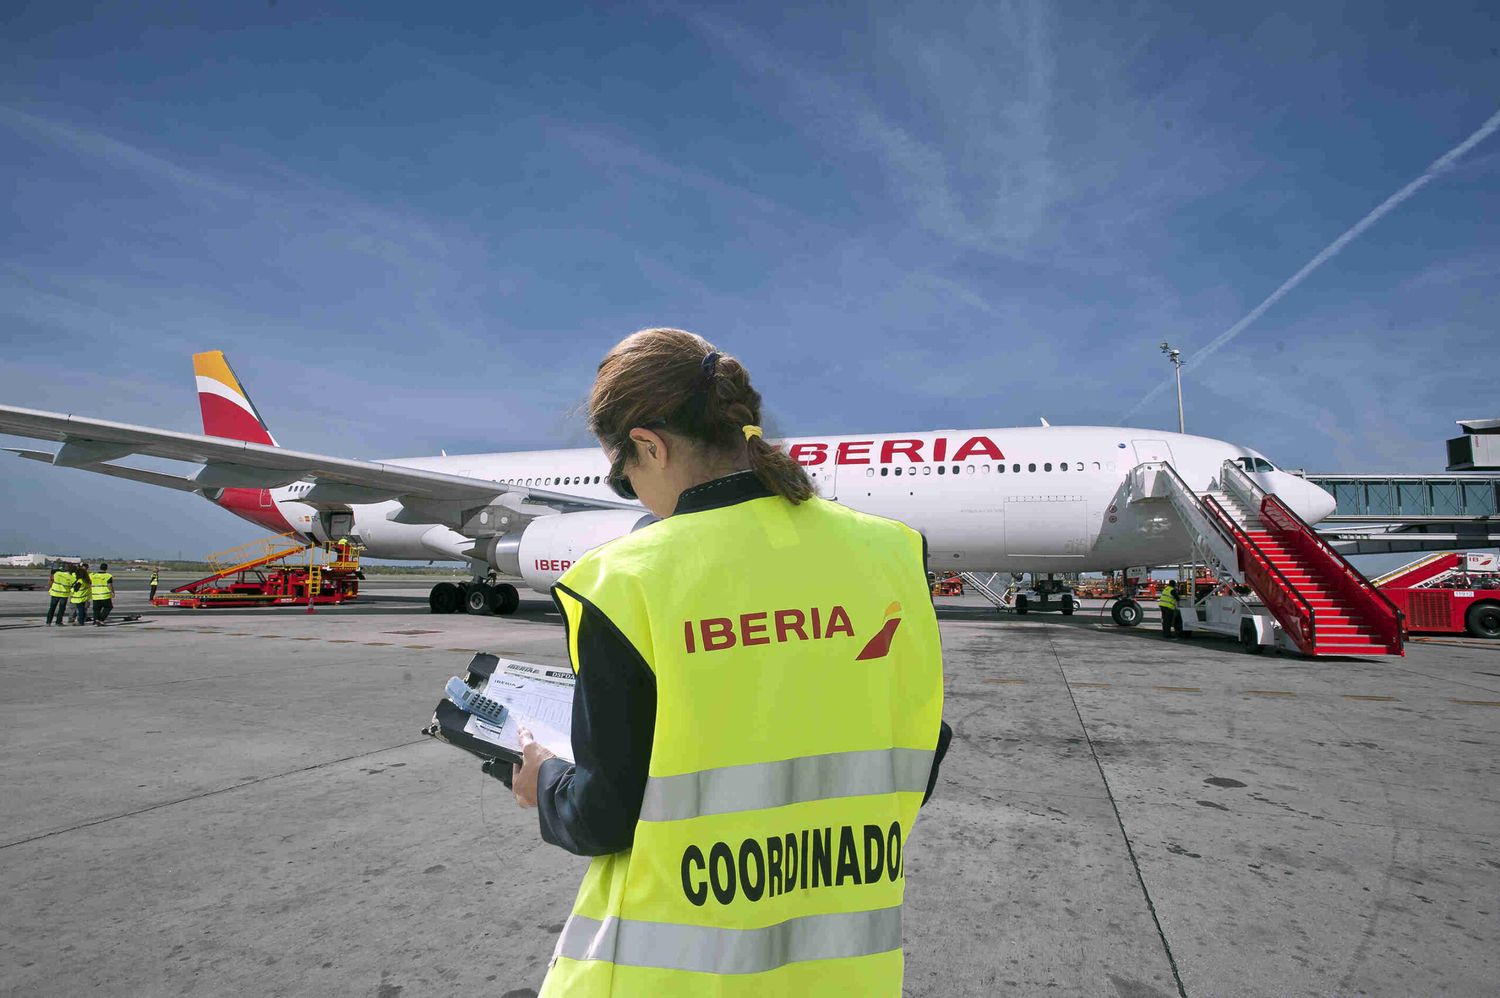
column 766, row 627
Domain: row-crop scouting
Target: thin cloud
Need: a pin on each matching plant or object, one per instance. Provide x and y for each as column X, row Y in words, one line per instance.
column 1439, row 166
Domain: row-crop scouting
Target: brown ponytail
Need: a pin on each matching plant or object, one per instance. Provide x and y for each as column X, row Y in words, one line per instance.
column 678, row 381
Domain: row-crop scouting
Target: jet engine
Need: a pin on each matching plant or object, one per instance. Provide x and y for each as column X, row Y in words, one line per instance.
column 549, row 545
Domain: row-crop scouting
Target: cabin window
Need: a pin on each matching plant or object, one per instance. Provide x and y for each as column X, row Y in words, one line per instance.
column 1062, row 466
column 926, row 469
column 1031, row 467
column 955, row 469
column 884, row 472
column 1015, row 468
column 984, row 468
column 969, row 468
column 1096, row 465
column 1047, row 466
column 942, row 469
column 1000, row 468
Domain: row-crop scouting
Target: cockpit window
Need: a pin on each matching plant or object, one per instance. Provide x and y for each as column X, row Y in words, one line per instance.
column 1257, row 464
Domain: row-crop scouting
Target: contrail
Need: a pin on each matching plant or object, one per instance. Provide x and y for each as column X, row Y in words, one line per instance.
column 1440, row 165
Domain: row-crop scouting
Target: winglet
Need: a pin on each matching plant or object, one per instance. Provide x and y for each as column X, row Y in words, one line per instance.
column 227, row 409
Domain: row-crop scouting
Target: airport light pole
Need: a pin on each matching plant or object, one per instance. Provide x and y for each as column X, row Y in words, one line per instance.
column 1175, row 356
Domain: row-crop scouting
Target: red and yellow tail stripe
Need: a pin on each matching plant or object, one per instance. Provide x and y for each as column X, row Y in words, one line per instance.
column 227, row 409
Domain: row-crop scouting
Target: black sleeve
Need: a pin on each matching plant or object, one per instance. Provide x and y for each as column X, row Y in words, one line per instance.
column 945, row 732
column 590, row 807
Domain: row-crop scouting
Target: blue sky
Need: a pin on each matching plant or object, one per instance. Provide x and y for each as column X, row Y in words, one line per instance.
column 414, row 227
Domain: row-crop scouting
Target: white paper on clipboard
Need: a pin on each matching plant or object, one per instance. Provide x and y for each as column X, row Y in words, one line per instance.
column 539, row 697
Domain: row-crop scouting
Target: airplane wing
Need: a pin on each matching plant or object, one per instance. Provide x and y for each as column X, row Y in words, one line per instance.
column 429, row 496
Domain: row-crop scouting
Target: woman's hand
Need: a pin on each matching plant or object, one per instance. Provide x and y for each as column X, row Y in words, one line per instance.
column 524, row 774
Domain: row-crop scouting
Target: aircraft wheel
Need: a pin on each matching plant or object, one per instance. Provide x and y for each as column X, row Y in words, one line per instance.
column 1023, row 603
column 445, row 598
column 1126, row 613
column 512, row 598
column 1483, row 620
column 504, row 599
column 477, row 598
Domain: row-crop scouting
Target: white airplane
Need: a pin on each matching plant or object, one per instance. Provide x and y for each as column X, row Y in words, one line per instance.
column 1036, row 500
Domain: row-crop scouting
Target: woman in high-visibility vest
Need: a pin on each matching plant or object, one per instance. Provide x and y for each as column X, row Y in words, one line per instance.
column 757, row 715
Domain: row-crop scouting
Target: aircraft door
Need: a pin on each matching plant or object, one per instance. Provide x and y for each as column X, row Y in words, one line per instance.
column 337, row 524
column 1151, row 450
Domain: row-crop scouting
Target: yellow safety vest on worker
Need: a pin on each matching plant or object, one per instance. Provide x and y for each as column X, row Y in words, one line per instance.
column 80, row 590
column 799, row 698
column 1168, row 598
column 62, row 584
column 101, row 585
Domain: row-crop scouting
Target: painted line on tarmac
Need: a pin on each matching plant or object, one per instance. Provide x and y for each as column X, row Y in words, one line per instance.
column 1089, row 686
column 1476, row 703
column 1011, row 682
column 210, row 793
column 1177, row 689
column 1370, row 697
column 1268, row 693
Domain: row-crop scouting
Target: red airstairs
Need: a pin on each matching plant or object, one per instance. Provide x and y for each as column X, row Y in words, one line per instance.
column 1320, row 603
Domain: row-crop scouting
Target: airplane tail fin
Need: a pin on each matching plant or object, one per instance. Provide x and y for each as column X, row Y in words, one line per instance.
column 227, row 409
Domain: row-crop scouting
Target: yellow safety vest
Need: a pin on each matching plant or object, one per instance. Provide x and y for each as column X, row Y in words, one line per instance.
column 799, row 685
column 102, row 581
column 1168, row 599
column 80, row 591
column 62, row 584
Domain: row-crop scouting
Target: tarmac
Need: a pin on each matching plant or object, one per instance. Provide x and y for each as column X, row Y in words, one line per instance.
column 240, row 802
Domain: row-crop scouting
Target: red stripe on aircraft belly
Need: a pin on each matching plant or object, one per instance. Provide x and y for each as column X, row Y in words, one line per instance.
column 247, row 505
column 222, row 418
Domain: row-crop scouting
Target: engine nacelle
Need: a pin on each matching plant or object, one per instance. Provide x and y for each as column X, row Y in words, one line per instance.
column 549, row 545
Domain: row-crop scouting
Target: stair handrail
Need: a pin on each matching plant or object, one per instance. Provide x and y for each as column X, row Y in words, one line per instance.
column 1274, row 598
column 983, row 587
column 1390, row 620
column 1192, row 499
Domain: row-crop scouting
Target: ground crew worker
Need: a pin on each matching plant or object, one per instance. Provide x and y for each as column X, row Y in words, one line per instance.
column 757, row 715
column 1171, row 616
column 61, row 589
column 154, row 578
column 102, row 591
column 79, row 596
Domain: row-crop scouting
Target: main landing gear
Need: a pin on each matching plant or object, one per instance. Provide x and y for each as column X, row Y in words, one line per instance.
column 482, row 596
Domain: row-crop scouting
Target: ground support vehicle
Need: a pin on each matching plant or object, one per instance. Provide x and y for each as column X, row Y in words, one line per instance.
column 1448, row 593
column 277, row 571
column 16, row 585
column 1048, row 594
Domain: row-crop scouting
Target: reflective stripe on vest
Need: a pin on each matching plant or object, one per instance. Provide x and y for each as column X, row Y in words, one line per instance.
column 101, row 584
column 1167, row 600
column 788, row 781
column 80, row 592
column 62, row 584
column 711, row 950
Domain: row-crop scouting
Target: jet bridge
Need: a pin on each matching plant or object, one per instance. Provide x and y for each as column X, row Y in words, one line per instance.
column 1394, row 514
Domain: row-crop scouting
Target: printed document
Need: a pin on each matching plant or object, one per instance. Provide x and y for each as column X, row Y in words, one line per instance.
column 537, row 696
